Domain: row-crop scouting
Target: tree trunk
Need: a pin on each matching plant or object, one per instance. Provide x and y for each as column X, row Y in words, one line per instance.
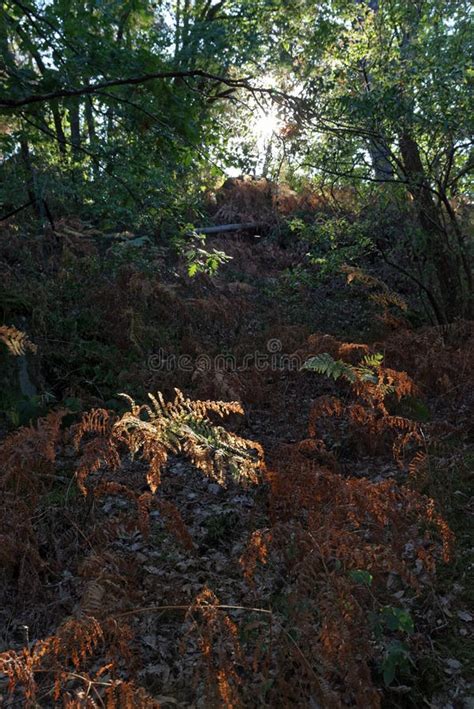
column 90, row 121
column 443, row 253
column 379, row 156
column 30, row 176
column 91, row 133
column 110, row 110
column 58, row 125
column 177, row 31
column 75, row 127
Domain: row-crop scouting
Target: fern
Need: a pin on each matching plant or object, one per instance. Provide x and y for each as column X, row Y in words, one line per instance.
column 153, row 431
column 370, row 383
column 368, row 369
column 365, row 371
column 385, row 297
column 373, row 360
column 362, row 376
column 182, row 426
column 16, row 341
column 329, row 367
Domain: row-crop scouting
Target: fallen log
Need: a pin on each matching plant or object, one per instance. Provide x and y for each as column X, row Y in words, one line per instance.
column 222, row 228
column 138, row 240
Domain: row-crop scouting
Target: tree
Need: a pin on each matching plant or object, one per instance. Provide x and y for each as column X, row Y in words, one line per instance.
column 385, row 98
column 120, row 104
column 106, row 109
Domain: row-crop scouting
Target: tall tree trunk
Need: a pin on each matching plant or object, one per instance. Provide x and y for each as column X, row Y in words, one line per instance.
column 110, row 110
column 90, row 121
column 31, row 186
column 91, row 132
column 75, row 127
column 380, row 158
column 58, row 126
column 442, row 251
column 378, row 147
column 177, row 31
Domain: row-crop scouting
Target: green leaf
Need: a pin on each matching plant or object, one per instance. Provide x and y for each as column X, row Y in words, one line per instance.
column 389, row 670
column 397, row 619
column 360, row 576
column 397, row 657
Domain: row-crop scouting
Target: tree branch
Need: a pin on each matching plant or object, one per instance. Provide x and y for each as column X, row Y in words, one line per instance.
column 128, row 81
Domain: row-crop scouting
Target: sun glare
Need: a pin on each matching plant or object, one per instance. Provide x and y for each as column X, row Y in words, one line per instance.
column 266, row 124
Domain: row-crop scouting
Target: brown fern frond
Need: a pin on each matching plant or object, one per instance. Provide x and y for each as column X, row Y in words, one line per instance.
column 144, row 503
column 19, row 669
column 108, row 587
column 362, row 417
column 417, row 465
column 256, row 551
column 126, row 695
column 324, row 527
column 220, row 647
column 401, row 443
column 19, row 550
column 175, row 523
column 30, row 452
column 100, row 448
column 390, row 298
column 96, row 453
column 183, row 426
column 358, row 274
column 17, row 342
column 398, row 422
column 323, row 406
column 63, row 657
column 349, row 351
column 400, row 382
column 98, row 421
column 73, row 642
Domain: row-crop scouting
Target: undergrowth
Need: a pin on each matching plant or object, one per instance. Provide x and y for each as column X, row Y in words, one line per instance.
column 343, row 560
column 309, row 576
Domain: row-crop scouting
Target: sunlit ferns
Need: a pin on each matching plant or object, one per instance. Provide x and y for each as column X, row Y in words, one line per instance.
column 152, row 432
column 372, row 385
column 16, row 341
column 368, row 379
column 184, row 427
column 72, row 643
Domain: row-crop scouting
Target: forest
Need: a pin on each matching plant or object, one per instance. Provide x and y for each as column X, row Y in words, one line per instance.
column 236, row 354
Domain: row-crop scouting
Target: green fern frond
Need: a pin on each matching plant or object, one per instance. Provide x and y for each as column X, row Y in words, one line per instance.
column 331, row 368
column 373, row 360
column 368, row 370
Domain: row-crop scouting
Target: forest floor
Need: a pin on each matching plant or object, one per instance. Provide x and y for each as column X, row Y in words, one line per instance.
column 399, row 637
